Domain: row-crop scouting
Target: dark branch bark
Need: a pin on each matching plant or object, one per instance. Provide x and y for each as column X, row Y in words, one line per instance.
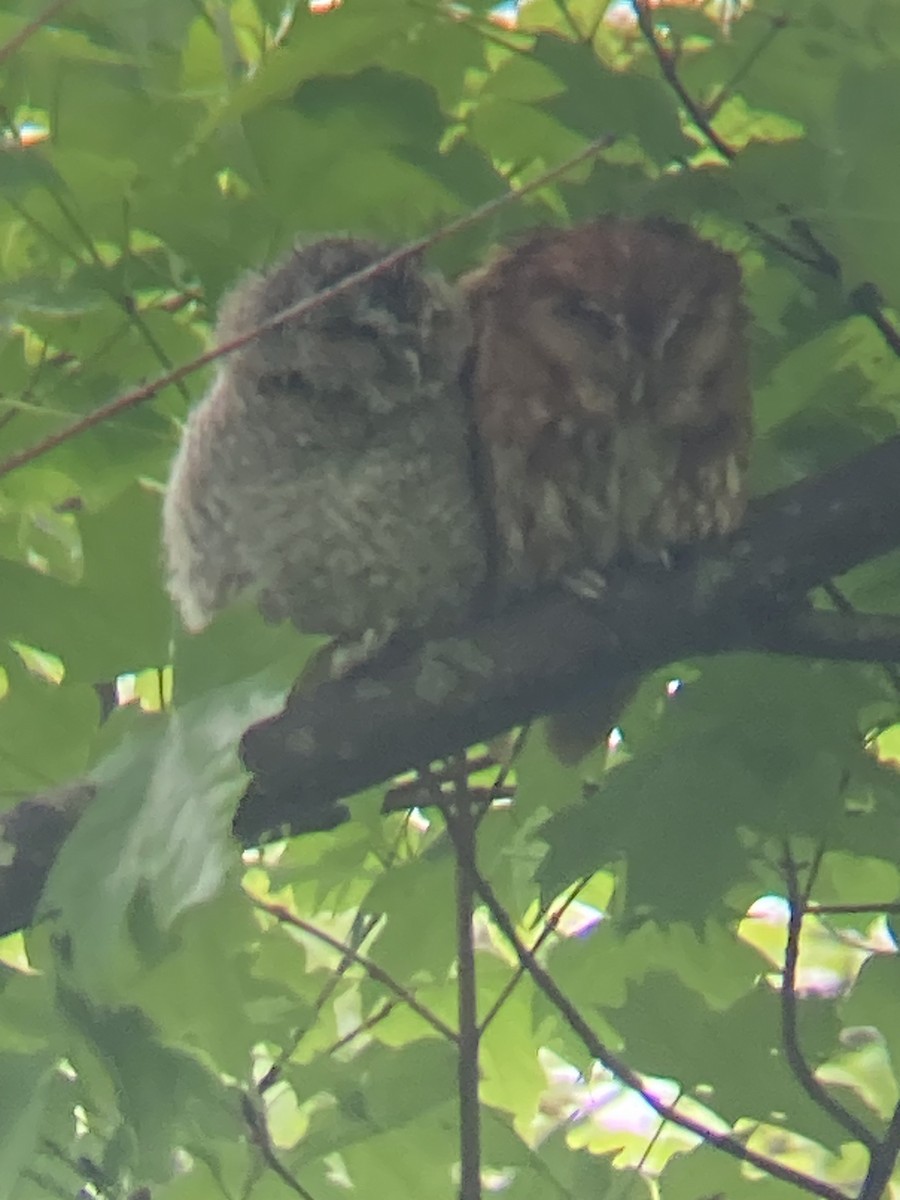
column 357, row 732
column 853, row 637
column 750, row 594
column 30, row 837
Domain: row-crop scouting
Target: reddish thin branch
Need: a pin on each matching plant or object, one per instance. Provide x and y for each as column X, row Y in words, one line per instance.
column 666, row 61
column 273, row 1074
column 283, row 914
column 18, row 39
column 383, row 1011
column 138, row 395
column 727, row 89
column 845, row 909
column 803, row 1073
column 550, row 926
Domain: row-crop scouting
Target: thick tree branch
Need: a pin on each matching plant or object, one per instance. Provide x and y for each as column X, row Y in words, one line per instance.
column 852, row 637
column 354, row 733
column 750, row 594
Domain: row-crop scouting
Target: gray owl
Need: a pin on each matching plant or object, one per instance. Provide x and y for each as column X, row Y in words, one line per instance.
column 328, row 470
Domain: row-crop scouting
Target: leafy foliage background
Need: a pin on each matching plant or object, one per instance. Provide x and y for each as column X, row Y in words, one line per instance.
column 171, row 1025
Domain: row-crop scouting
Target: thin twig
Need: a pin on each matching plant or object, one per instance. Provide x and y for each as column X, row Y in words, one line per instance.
column 882, row 1162
column 825, row 261
column 259, row 1136
column 281, row 913
column 132, row 315
column 821, row 910
column 383, row 1011
column 409, row 791
column 550, row 927
column 846, row 608
column 18, row 39
column 790, row 1040
column 780, row 244
column 122, row 300
column 776, row 24
column 458, row 816
column 409, row 250
column 725, row 1142
column 868, row 301
column 666, row 61
column 46, row 1185
column 651, row 1142
column 566, row 13
column 273, row 1074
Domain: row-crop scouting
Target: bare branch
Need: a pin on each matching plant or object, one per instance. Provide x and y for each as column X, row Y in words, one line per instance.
column 666, row 61
column 790, row 1037
column 348, row 734
column 776, row 24
column 849, row 909
column 283, row 914
column 550, row 926
column 273, row 1074
column 16, row 42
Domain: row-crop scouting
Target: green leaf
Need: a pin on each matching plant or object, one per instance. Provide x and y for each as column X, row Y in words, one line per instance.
column 26, row 1078
column 117, row 619
column 865, row 181
column 736, row 1053
column 30, row 760
column 754, row 742
column 166, row 794
column 166, row 1097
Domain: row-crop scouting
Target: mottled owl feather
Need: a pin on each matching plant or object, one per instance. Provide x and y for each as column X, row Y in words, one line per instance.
column 328, row 470
column 610, row 392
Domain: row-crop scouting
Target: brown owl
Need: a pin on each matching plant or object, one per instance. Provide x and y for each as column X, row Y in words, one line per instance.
column 610, row 392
